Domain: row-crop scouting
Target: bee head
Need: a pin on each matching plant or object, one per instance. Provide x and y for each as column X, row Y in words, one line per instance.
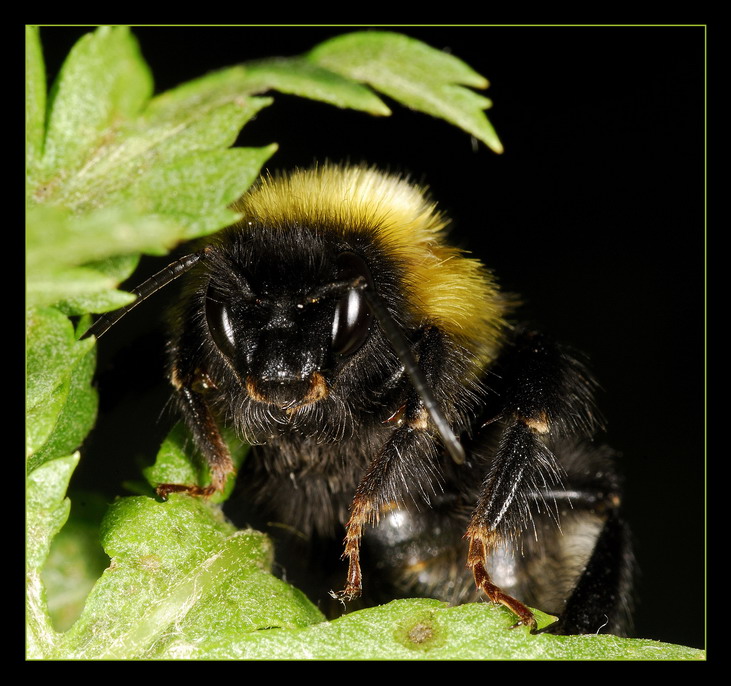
column 286, row 322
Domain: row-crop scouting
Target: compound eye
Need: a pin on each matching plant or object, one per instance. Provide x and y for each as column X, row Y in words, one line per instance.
column 352, row 320
column 219, row 323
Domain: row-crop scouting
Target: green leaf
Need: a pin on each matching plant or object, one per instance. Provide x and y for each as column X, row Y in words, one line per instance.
column 103, row 80
column 113, row 270
column 179, row 572
column 59, row 244
column 56, row 362
column 196, row 190
column 57, row 239
column 46, row 512
column 105, row 133
column 68, row 285
column 419, row 629
column 299, row 76
column 35, row 102
column 76, row 559
column 200, row 96
column 414, row 74
column 76, row 415
column 204, row 114
column 161, row 135
column 152, row 140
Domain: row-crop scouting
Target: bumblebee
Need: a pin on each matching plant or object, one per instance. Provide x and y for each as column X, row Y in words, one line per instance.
column 390, row 402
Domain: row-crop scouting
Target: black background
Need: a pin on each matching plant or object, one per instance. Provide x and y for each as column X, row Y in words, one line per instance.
column 594, row 214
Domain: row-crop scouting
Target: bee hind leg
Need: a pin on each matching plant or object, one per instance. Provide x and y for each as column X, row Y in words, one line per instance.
column 601, row 599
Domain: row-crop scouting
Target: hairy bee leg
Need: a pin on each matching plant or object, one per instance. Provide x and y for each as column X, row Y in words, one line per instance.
column 375, row 490
column 354, row 534
column 502, row 508
column 410, row 448
column 550, row 396
column 202, row 424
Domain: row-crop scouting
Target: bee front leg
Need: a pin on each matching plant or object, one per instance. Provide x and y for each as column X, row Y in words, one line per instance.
column 409, row 451
column 409, row 458
column 191, row 395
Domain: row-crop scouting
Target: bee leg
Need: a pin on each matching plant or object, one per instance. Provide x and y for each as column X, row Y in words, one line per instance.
column 476, row 561
column 519, row 452
column 380, row 486
column 550, row 396
column 411, row 450
column 199, row 418
column 601, row 598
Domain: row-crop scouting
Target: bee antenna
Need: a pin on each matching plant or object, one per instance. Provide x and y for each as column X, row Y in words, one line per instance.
column 144, row 291
column 401, row 348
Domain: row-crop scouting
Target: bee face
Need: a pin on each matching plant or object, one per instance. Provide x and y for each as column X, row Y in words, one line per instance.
column 285, row 321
